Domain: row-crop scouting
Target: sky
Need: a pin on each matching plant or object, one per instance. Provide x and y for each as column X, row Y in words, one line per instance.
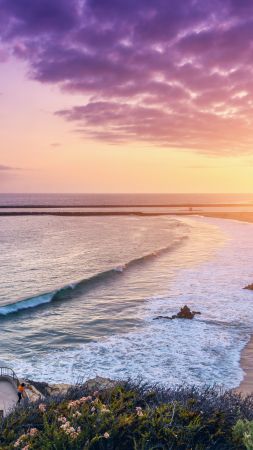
column 126, row 96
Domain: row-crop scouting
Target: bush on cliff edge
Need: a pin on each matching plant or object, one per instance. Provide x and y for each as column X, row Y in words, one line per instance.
column 128, row 417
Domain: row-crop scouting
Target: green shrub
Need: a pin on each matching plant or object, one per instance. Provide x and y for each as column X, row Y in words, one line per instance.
column 130, row 417
column 243, row 432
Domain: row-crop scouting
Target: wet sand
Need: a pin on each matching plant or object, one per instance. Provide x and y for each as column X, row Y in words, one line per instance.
column 246, row 362
column 242, row 216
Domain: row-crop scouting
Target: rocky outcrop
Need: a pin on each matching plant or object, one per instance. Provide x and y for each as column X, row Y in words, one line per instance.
column 33, row 394
column 250, row 287
column 99, row 383
column 184, row 313
column 54, row 390
column 37, row 390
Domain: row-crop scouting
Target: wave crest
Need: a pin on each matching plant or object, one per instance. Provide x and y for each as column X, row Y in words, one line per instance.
column 42, row 299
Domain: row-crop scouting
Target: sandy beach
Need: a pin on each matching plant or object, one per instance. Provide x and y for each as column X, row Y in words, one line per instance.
column 246, row 361
column 242, row 216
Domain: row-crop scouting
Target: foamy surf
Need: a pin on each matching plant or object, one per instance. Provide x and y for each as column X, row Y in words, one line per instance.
column 203, row 351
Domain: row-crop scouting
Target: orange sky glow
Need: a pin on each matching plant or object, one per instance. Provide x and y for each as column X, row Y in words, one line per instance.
column 185, row 127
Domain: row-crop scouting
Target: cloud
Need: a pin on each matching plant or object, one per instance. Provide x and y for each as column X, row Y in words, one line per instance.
column 24, row 18
column 8, row 168
column 8, row 173
column 170, row 73
column 3, row 56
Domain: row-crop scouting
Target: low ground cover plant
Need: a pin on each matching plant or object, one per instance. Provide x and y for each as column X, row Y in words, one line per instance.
column 130, row 416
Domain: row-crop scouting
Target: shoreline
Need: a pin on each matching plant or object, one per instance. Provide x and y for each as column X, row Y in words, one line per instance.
column 246, row 356
column 246, row 363
column 241, row 216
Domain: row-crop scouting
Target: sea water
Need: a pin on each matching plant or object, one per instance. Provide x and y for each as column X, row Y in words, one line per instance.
column 79, row 297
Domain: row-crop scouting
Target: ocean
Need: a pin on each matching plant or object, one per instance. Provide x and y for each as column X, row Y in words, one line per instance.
column 79, row 296
column 77, row 200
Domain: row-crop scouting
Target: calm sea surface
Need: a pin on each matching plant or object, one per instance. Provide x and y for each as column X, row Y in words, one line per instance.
column 121, row 199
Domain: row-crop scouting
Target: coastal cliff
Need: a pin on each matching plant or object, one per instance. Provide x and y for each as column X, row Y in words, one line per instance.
column 103, row 414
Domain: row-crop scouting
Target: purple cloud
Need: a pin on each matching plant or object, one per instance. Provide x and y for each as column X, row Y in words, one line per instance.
column 148, row 124
column 26, row 18
column 176, row 74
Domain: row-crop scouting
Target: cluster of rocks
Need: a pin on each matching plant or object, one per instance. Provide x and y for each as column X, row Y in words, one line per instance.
column 38, row 390
column 184, row 313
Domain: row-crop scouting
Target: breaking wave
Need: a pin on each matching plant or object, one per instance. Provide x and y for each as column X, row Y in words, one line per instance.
column 58, row 294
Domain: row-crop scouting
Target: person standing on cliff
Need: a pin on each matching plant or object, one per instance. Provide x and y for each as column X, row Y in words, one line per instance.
column 21, row 391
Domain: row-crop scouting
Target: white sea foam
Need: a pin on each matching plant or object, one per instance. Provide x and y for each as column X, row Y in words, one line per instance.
column 203, row 351
column 167, row 354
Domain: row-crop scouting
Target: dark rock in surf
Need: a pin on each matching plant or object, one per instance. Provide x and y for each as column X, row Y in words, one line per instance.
column 250, row 287
column 163, row 317
column 184, row 313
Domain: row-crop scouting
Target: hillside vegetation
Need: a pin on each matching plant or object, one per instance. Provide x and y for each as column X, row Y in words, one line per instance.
column 128, row 416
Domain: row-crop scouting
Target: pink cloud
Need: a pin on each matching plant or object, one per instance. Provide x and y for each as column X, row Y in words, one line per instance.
column 166, row 72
